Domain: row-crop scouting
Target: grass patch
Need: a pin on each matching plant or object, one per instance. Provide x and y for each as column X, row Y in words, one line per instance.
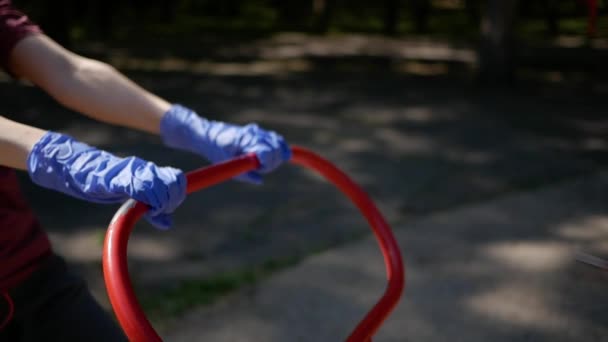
column 100, row 237
column 161, row 306
column 204, row 291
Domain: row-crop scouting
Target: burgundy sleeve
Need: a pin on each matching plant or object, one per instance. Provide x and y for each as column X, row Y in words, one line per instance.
column 14, row 26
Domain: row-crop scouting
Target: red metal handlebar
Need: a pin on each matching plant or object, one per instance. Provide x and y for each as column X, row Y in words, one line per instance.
column 116, row 273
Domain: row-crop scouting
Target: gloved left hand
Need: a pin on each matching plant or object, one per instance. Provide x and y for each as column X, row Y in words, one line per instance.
column 218, row 141
column 63, row 164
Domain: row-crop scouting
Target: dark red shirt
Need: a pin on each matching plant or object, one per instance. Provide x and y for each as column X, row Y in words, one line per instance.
column 23, row 243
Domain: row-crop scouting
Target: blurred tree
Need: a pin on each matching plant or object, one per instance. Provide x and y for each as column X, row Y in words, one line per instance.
column 323, row 11
column 551, row 10
column 391, row 16
column 496, row 55
column 473, row 8
column 294, row 14
column 169, row 9
column 99, row 13
column 421, row 11
column 228, row 8
column 55, row 20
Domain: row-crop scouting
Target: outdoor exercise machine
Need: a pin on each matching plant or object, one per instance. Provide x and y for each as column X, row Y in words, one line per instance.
column 122, row 297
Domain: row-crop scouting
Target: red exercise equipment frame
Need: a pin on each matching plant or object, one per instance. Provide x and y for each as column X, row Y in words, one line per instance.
column 116, row 273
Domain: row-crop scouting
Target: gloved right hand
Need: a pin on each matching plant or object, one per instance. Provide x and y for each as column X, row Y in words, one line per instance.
column 217, row 141
column 63, row 164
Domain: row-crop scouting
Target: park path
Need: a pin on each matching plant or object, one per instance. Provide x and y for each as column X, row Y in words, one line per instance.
column 504, row 270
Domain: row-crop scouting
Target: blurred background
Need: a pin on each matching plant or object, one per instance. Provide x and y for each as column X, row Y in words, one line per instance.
column 479, row 127
column 501, row 33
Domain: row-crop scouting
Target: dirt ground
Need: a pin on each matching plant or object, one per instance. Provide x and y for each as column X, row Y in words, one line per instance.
column 501, row 270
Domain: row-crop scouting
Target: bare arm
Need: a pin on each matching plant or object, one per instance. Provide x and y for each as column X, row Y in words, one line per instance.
column 16, row 142
column 85, row 85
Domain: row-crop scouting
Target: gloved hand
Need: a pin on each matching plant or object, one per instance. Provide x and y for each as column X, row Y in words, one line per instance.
column 217, row 141
column 61, row 163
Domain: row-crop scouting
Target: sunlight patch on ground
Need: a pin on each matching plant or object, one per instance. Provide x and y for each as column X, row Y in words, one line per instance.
column 86, row 245
column 469, row 157
column 299, row 120
column 600, row 246
column 91, row 133
column 590, row 228
column 322, row 137
column 595, row 144
column 355, row 145
column 422, row 69
column 95, row 134
column 530, row 256
column 285, row 53
column 577, row 41
column 154, row 249
column 420, row 114
column 293, row 45
column 522, row 304
column 173, row 64
column 391, row 115
column 405, row 143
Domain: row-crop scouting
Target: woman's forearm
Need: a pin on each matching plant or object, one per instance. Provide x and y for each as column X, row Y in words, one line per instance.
column 87, row 86
column 16, row 142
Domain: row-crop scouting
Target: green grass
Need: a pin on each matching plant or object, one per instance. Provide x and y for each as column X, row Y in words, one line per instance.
column 204, row 291
column 535, row 30
column 163, row 305
column 100, row 237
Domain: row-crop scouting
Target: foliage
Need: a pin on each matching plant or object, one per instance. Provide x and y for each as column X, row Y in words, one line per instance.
column 96, row 20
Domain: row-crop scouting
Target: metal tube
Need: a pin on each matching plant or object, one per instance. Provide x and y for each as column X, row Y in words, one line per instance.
column 120, row 291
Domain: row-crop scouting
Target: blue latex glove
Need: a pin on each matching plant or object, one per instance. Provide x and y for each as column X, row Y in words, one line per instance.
column 61, row 163
column 217, row 141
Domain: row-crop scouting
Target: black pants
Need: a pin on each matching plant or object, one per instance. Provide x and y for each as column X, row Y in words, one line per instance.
column 55, row 305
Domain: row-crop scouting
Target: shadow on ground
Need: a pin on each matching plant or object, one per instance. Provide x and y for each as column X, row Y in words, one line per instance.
column 503, row 270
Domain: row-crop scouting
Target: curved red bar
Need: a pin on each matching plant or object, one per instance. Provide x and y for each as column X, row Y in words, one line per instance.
column 116, row 273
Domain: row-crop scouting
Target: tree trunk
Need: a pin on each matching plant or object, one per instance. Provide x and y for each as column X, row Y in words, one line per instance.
column 421, row 10
column 473, row 8
column 323, row 11
column 391, row 16
column 99, row 19
column 552, row 16
column 168, row 10
column 293, row 15
column 55, row 21
column 496, row 54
